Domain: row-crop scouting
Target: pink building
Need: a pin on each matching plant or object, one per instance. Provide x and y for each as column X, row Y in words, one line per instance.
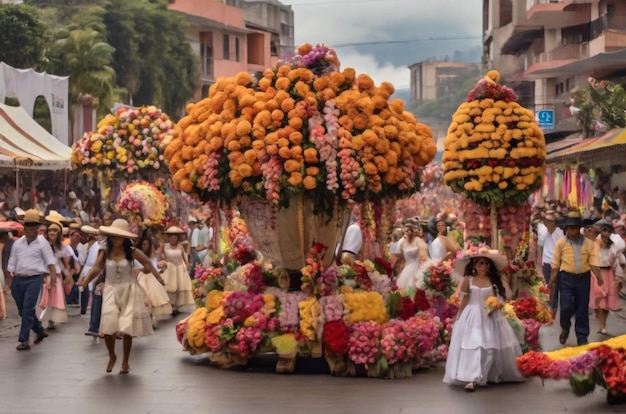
column 224, row 44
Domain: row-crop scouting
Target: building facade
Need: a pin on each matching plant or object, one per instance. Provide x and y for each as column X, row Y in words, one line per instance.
column 547, row 48
column 431, row 79
column 225, row 42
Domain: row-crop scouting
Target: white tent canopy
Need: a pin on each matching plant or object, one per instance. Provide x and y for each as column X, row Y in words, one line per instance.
column 24, row 144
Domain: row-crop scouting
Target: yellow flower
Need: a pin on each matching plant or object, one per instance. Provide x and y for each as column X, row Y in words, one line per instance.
column 213, row 299
column 307, row 322
column 364, row 306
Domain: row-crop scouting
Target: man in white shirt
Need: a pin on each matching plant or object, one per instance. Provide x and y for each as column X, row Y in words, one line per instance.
column 547, row 236
column 31, row 258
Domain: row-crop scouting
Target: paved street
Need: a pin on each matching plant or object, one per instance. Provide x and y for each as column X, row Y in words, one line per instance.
column 65, row 374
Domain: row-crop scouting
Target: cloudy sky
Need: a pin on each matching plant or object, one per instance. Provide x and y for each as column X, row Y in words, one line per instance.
column 369, row 23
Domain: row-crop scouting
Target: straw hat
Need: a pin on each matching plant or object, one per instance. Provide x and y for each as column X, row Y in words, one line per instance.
column 573, row 219
column 89, row 230
column 119, row 227
column 495, row 256
column 56, row 216
column 174, row 230
column 31, row 216
column 603, row 223
column 52, row 223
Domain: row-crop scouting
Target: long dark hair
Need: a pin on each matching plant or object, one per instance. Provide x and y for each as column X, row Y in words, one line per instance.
column 128, row 251
column 494, row 276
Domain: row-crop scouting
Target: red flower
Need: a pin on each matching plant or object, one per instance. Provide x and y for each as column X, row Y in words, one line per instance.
column 533, row 363
column 335, row 337
column 421, row 301
column 384, row 266
column 406, row 308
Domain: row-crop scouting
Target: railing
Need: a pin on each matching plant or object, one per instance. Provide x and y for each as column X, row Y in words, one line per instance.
column 592, row 30
column 567, row 52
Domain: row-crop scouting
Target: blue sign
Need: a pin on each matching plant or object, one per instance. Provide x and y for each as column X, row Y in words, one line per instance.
column 545, row 118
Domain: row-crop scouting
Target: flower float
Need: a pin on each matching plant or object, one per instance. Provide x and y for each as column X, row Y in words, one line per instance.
column 494, row 152
column 602, row 363
column 142, row 201
column 130, row 141
column 303, row 127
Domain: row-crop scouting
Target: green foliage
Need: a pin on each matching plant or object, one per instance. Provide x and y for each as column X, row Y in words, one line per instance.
column 23, row 37
column 610, row 99
column 585, row 111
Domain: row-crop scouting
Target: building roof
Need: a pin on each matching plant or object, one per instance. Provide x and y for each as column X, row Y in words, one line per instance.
column 204, row 22
column 26, row 144
column 521, row 39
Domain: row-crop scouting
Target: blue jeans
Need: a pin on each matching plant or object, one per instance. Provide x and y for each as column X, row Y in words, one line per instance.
column 96, row 311
column 25, row 292
column 575, row 302
column 546, row 268
column 72, row 298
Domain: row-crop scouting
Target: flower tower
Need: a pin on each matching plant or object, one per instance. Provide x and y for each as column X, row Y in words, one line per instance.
column 292, row 145
column 495, row 152
column 129, row 143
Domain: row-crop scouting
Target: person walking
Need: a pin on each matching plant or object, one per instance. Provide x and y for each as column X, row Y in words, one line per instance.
column 160, row 307
column 483, row 347
column 89, row 256
column 31, row 257
column 125, row 309
column 605, row 297
column 176, row 276
column 572, row 266
column 52, row 303
column 547, row 236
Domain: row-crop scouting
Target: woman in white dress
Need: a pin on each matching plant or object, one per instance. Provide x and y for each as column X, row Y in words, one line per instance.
column 176, row 276
column 160, row 307
column 414, row 250
column 483, row 347
column 125, row 307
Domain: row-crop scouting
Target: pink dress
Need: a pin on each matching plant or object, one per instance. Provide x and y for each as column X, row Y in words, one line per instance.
column 606, row 296
column 52, row 303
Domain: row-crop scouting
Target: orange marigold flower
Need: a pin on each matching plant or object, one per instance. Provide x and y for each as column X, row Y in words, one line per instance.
column 321, row 83
column 312, row 171
column 304, row 48
column 370, row 168
column 283, row 142
column 364, row 82
column 245, row 141
column 309, row 182
column 397, row 106
column 186, row 185
column 287, row 105
column 327, row 94
column 295, row 138
column 244, row 170
column 295, row 179
column 310, row 155
column 369, row 137
column 282, row 83
column 295, row 123
column 292, row 166
column 235, row 177
column 284, row 153
column 243, row 127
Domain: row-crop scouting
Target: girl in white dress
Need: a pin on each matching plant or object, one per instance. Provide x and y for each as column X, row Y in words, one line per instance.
column 125, row 307
column 160, row 307
column 176, row 276
column 414, row 250
column 483, row 346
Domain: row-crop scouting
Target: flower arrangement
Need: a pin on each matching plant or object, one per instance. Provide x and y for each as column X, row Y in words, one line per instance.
column 581, row 364
column 363, row 344
column 364, row 306
column 300, row 128
column 130, row 141
column 493, row 304
column 495, row 152
column 438, row 279
column 313, row 275
column 336, row 337
column 142, row 200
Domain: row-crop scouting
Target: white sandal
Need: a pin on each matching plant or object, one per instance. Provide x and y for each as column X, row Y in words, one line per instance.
column 470, row 387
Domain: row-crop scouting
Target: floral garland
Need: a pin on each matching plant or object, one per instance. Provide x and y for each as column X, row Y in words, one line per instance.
column 438, row 279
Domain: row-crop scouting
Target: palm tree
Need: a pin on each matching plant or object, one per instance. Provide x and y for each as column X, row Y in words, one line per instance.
column 86, row 58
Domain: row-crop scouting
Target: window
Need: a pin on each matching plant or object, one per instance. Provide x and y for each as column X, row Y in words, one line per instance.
column 226, row 50
column 237, row 49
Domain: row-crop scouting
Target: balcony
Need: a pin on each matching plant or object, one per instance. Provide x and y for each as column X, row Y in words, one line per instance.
column 561, row 56
column 553, row 13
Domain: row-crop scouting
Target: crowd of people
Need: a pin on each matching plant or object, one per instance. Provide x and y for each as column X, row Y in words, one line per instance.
column 127, row 281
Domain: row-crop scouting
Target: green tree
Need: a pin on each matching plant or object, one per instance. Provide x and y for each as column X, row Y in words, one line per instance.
column 610, row 100
column 23, row 37
column 584, row 109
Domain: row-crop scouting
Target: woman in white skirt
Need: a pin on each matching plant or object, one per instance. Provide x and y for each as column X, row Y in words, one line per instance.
column 176, row 276
column 160, row 307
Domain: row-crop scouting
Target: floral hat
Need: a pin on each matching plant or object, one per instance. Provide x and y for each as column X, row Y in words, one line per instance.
column 499, row 260
column 119, row 227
